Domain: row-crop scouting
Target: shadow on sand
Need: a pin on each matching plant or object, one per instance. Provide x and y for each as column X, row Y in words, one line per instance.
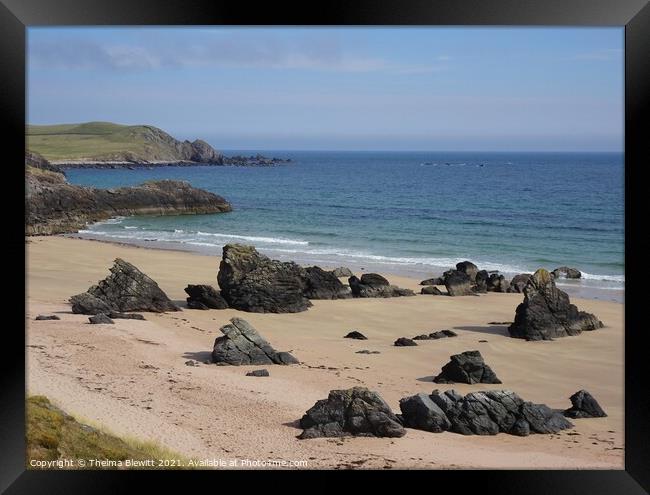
column 489, row 329
column 201, row 356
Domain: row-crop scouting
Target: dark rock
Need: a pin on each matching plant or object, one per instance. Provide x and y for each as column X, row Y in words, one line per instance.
column 518, row 282
column 546, row 312
column 497, row 283
column 543, row 419
column 191, row 363
column 424, row 336
column 355, row 335
column 324, row 285
column 125, row 316
column 204, row 297
column 403, row 341
column 457, row 283
column 481, row 279
column 342, row 272
column 54, row 206
column 433, row 281
column 421, row 413
column 468, row 268
column 125, row 289
column 448, row 333
column 374, row 285
column 250, row 281
column 100, row 318
column 47, row 317
column 258, row 373
column 584, row 406
column 193, row 304
column 430, row 289
column 241, row 344
column 356, row 411
column 366, row 351
column 373, row 280
column 494, row 411
column 566, row 272
column 467, row 367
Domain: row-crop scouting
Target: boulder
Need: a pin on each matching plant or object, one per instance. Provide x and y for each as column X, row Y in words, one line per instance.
column 467, row 367
column 433, row 281
column 566, row 272
column 324, row 285
column 263, row 372
column 100, row 318
column 356, row 411
column 355, row 335
column 497, row 283
column 480, row 280
column 47, row 317
column 457, row 283
column 374, row 285
column 494, row 411
column 241, row 344
column 204, row 297
column 125, row 316
column 404, row 342
column 250, row 281
column 342, row 272
column 430, row 289
column 584, row 406
column 468, row 268
column 421, row 413
column 125, row 289
column 546, row 312
column 518, row 282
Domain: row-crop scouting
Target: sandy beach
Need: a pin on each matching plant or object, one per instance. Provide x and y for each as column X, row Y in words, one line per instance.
column 131, row 377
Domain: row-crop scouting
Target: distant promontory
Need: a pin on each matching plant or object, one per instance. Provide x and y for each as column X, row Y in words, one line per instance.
column 109, row 145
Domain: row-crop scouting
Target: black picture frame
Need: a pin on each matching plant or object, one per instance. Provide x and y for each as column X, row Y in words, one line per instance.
column 16, row 15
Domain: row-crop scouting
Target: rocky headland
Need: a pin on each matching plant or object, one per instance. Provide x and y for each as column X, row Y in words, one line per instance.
column 54, row 206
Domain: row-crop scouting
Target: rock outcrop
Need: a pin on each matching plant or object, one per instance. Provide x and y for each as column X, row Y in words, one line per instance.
column 355, row 335
column 404, row 342
column 53, row 206
column 583, row 405
column 342, row 272
column 441, row 334
column 433, row 281
column 125, row 289
column 480, row 413
column 100, row 318
column 480, row 281
column 374, row 285
column 546, row 312
column 468, row 268
column 467, row 367
column 320, row 284
column 497, row 283
column 204, row 297
column 250, row 281
column 263, row 372
column 356, row 411
column 432, row 290
column 421, row 413
column 241, row 345
column 458, row 283
column 566, row 272
column 518, row 283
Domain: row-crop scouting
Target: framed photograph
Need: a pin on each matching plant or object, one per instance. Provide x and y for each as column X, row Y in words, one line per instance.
column 379, row 237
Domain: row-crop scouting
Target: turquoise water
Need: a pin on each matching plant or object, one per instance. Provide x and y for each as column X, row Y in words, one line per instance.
column 414, row 213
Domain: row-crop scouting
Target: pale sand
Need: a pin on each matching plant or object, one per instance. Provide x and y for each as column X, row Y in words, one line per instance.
column 131, row 377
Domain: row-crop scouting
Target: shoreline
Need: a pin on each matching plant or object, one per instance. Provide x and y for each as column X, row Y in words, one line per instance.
column 132, row 377
column 569, row 286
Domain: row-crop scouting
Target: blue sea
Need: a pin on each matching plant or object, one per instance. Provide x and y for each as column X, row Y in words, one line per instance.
column 408, row 213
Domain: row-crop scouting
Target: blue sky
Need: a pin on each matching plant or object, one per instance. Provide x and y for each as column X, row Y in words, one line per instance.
column 437, row 88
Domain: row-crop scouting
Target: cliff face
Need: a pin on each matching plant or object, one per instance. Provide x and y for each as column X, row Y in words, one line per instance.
column 53, row 206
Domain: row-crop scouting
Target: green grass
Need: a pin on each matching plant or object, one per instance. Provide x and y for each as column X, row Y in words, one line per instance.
column 100, row 141
column 53, row 435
